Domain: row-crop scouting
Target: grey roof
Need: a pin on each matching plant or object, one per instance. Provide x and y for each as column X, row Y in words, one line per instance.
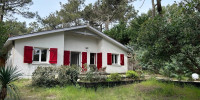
column 9, row 41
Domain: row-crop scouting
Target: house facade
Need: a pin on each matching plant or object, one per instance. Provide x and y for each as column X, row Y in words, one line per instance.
column 81, row 45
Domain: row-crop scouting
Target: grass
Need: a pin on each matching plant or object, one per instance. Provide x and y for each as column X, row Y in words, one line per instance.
column 148, row 90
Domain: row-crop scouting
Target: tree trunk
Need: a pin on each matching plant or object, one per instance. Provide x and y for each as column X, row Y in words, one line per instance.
column 2, row 10
column 3, row 93
column 153, row 8
column 107, row 24
column 159, row 7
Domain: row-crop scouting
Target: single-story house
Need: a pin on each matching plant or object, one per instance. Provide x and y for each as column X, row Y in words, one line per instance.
column 78, row 45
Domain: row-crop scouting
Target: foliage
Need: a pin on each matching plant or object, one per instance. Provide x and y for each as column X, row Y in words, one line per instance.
column 10, row 7
column 132, row 74
column 93, row 68
column 50, row 22
column 93, row 75
column 106, row 11
column 69, row 15
column 119, row 33
column 114, row 77
column 73, row 73
column 3, row 38
column 98, row 15
column 170, row 42
column 17, row 28
column 190, row 5
column 45, row 76
column 52, row 76
column 7, row 75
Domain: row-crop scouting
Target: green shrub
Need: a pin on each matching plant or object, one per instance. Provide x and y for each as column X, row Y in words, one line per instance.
column 94, row 77
column 52, row 76
column 114, row 77
column 45, row 76
column 72, row 73
column 132, row 74
column 93, row 68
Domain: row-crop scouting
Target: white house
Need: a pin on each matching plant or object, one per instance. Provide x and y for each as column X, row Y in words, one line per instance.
column 78, row 45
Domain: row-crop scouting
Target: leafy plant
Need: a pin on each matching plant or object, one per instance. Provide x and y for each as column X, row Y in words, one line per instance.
column 170, row 41
column 52, row 76
column 7, row 75
column 45, row 76
column 72, row 72
column 132, row 74
column 114, row 77
column 94, row 77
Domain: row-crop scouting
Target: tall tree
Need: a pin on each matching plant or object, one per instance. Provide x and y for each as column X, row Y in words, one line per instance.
column 16, row 28
column 50, row 22
column 120, row 33
column 69, row 15
column 9, row 7
column 70, row 12
column 3, row 38
column 108, row 11
column 171, row 41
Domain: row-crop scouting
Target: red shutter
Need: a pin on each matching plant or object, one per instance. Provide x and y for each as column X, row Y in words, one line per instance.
column 53, row 56
column 99, row 60
column 122, row 59
column 84, row 61
column 67, row 58
column 28, row 54
column 109, row 58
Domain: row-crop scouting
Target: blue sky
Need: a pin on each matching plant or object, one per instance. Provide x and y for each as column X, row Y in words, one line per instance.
column 45, row 7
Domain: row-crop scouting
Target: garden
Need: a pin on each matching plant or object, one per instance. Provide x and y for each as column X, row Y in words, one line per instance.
column 63, row 83
column 147, row 90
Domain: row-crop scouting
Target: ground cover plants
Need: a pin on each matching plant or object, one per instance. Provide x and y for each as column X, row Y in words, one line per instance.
column 146, row 90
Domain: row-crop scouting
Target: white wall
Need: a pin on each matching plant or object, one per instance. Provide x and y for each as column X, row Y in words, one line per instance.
column 55, row 40
column 79, row 43
column 108, row 47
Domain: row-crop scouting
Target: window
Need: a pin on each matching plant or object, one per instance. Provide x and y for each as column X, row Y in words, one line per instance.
column 40, row 55
column 92, row 58
column 114, row 59
column 75, row 58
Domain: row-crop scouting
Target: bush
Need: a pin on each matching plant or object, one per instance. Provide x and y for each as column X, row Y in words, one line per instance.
column 94, row 77
column 45, row 76
column 132, row 74
column 93, row 68
column 72, row 72
column 114, row 77
column 51, row 76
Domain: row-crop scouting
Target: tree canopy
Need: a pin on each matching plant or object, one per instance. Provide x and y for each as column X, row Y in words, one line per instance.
column 10, row 7
column 171, row 41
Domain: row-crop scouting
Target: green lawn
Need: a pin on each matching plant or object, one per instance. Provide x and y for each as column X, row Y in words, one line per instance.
column 148, row 90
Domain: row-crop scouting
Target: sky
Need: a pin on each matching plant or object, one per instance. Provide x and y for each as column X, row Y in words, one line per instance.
column 45, row 7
